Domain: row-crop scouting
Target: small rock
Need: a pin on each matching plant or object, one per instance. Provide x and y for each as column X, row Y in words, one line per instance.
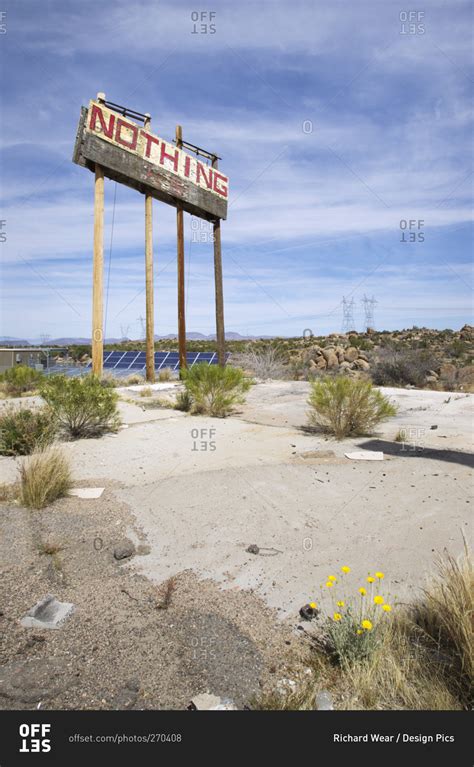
column 48, row 613
column 435, row 426
column 124, row 550
column 323, row 701
column 308, row 613
column 207, row 702
column 253, row 548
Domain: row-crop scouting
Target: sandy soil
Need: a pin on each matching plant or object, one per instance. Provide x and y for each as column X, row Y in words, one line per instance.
column 196, row 492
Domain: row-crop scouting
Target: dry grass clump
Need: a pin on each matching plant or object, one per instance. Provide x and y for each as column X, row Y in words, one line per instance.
column 44, row 477
column 147, row 391
column 165, row 374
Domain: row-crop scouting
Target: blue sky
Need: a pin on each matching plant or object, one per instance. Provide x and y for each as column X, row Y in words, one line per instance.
column 334, row 121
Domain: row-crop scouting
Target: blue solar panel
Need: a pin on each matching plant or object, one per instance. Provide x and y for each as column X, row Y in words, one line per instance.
column 136, row 360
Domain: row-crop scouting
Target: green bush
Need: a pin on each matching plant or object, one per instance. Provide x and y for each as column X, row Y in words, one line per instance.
column 81, row 406
column 23, row 430
column 344, row 406
column 214, row 389
column 21, row 379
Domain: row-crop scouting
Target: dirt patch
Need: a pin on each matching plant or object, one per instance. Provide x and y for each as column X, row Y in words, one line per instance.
column 130, row 643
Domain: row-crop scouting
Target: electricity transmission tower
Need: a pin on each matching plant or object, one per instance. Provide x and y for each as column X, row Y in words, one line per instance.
column 124, row 332
column 369, row 307
column 347, row 314
column 141, row 320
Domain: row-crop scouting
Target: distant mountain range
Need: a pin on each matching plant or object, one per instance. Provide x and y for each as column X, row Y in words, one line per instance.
column 69, row 341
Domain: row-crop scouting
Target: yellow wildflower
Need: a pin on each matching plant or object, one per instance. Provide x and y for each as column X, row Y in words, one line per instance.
column 366, row 625
column 379, row 600
column 387, row 608
column 362, row 591
column 359, row 631
column 380, row 576
column 337, row 616
column 329, row 584
column 370, row 579
column 341, row 604
column 313, row 605
column 332, row 578
column 345, row 569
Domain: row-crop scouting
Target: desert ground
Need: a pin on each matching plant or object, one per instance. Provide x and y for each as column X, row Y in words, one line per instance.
column 192, row 610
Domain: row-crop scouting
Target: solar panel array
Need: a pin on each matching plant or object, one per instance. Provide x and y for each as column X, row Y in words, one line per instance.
column 120, row 361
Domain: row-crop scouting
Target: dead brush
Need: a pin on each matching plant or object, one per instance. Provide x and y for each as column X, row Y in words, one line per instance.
column 49, row 549
column 166, row 594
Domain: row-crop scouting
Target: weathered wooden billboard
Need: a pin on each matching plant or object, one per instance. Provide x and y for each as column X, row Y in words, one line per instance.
column 132, row 155
column 110, row 143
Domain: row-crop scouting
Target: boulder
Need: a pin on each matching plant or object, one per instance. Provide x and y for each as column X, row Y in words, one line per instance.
column 340, row 353
column 351, row 354
column 447, row 371
column 361, row 364
column 466, row 375
column 331, row 358
column 320, row 363
column 467, row 333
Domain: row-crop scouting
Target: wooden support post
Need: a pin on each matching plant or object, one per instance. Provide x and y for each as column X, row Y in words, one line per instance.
column 220, row 330
column 98, row 274
column 150, row 318
column 181, row 294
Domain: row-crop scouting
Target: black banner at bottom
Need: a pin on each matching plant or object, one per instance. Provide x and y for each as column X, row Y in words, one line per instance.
column 91, row 737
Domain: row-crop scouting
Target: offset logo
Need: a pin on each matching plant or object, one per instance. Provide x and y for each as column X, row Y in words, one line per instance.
column 35, row 738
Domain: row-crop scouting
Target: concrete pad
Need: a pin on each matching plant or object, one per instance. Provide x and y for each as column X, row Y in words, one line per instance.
column 154, row 387
column 48, row 613
column 87, row 492
column 365, row 456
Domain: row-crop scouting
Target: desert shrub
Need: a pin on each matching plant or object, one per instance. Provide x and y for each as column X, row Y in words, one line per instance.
column 81, row 406
column 147, row 391
column 402, row 368
column 23, row 430
column 344, row 406
column 165, row 374
column 44, row 477
column 361, row 343
column 20, row 379
column 214, row 389
column 268, row 362
column 183, row 401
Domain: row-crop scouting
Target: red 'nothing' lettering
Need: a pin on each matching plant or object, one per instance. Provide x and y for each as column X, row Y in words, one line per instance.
column 96, row 112
column 149, row 141
column 164, row 155
column 201, row 170
column 222, row 189
column 118, row 138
